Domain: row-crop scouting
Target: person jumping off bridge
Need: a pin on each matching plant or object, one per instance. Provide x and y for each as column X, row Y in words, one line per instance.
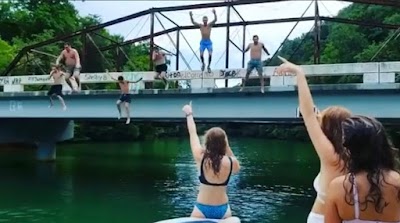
column 160, row 66
column 255, row 61
column 125, row 96
column 56, row 87
column 72, row 61
column 205, row 42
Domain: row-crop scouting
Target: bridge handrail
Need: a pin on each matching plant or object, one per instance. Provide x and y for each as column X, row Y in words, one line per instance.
column 370, row 68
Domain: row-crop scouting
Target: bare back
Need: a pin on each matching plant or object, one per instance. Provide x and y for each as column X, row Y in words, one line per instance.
column 205, row 31
column 214, row 195
column 160, row 58
column 256, row 51
column 70, row 57
column 57, row 76
column 124, row 86
column 390, row 189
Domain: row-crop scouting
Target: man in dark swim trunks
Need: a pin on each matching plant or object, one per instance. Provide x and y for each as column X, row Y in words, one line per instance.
column 160, row 66
column 56, row 87
column 125, row 97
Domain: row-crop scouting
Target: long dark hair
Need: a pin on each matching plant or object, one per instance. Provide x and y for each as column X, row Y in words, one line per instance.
column 369, row 150
column 331, row 125
column 215, row 148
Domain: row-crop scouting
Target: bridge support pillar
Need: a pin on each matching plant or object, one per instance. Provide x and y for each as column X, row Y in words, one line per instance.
column 46, row 151
column 45, row 133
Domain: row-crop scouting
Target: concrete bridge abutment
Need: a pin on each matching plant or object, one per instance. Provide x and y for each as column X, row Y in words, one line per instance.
column 44, row 133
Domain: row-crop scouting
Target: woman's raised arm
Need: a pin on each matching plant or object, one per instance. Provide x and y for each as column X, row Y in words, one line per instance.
column 197, row 149
column 321, row 143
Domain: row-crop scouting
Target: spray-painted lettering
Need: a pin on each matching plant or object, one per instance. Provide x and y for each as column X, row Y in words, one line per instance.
column 229, row 73
column 95, row 77
column 10, row 80
column 38, row 79
column 184, row 75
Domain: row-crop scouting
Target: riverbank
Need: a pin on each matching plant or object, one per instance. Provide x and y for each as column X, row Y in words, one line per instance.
column 106, row 131
column 119, row 132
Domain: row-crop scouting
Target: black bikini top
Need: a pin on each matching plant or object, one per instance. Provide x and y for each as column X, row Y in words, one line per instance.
column 203, row 180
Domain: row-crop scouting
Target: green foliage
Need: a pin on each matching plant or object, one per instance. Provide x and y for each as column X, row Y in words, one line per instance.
column 7, row 53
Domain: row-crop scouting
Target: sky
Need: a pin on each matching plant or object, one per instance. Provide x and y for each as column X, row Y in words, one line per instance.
column 272, row 35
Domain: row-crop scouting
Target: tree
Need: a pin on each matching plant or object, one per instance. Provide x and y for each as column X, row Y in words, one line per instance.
column 7, row 53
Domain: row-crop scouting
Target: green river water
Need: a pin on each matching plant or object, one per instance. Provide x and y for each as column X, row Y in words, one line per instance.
column 148, row 181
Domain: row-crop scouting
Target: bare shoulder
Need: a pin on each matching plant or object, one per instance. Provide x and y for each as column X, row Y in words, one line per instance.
column 393, row 178
column 338, row 185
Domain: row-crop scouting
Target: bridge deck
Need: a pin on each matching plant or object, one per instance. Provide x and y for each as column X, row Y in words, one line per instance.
column 209, row 104
column 345, row 88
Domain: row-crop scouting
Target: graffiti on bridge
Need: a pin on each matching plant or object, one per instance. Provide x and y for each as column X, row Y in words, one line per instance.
column 10, row 80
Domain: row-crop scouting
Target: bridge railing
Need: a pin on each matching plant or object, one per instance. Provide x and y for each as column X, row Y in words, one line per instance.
column 373, row 73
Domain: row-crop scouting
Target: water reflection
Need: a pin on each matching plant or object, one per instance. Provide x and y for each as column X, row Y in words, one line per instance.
column 149, row 181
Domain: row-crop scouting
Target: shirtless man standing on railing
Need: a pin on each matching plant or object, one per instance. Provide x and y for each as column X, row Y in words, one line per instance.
column 72, row 62
column 255, row 62
column 205, row 43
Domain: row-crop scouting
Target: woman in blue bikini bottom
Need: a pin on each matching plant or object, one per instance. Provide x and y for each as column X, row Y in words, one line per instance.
column 216, row 163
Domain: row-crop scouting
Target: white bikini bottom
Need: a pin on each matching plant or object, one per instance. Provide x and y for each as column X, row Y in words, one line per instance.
column 315, row 218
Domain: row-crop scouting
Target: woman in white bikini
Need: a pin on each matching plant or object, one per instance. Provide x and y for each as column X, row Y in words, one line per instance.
column 325, row 132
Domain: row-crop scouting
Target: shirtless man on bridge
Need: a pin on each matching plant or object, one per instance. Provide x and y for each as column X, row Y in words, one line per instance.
column 72, row 61
column 125, row 97
column 160, row 66
column 56, row 87
column 205, row 42
column 255, row 61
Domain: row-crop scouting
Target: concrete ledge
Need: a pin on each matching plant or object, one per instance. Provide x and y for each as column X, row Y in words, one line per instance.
column 234, row 90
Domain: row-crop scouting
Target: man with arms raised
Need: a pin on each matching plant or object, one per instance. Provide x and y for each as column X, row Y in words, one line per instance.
column 72, row 62
column 205, row 43
column 255, row 61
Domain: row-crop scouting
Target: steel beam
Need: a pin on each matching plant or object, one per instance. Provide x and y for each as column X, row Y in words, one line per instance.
column 152, row 17
column 258, row 22
column 243, row 45
column 394, row 3
column 177, row 50
column 317, row 23
column 235, row 45
column 237, row 12
column 166, row 17
column 213, row 5
column 227, row 41
column 360, row 23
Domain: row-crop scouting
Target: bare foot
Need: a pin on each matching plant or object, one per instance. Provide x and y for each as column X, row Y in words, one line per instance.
column 241, row 89
column 64, row 108
column 119, row 116
column 128, row 121
column 262, row 90
column 50, row 106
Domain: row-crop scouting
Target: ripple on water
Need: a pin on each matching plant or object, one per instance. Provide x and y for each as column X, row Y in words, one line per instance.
column 27, row 214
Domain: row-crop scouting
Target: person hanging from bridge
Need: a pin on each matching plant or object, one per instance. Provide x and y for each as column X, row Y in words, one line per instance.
column 255, row 61
column 56, row 87
column 160, row 66
column 216, row 163
column 125, row 98
column 205, row 43
column 72, row 61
